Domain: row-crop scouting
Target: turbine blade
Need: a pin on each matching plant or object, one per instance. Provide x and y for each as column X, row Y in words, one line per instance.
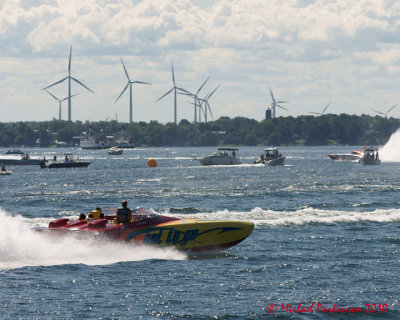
column 391, row 109
column 69, row 64
column 126, row 72
column 202, row 85
column 56, row 83
column 272, row 95
column 209, row 96
column 187, row 94
column 209, row 108
column 378, row 111
column 140, row 82
column 165, row 94
column 53, row 96
column 76, row 80
column 325, row 108
column 313, row 112
column 71, row 97
column 282, row 101
column 122, row 92
column 183, row 90
column 173, row 75
column 282, row 107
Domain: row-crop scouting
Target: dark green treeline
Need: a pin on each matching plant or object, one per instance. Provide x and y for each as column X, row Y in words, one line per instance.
column 328, row 129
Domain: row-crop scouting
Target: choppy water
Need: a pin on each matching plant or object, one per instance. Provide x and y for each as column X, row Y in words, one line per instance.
column 326, row 232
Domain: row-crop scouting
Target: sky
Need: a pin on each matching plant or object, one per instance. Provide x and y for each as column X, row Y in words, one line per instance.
column 310, row 53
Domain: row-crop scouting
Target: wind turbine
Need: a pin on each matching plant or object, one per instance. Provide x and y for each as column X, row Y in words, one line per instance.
column 207, row 104
column 175, row 88
column 69, row 77
column 130, row 83
column 321, row 113
column 59, row 101
column 196, row 99
column 275, row 104
column 385, row 113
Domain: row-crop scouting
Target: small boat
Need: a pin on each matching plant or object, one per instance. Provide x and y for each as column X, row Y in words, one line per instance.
column 67, row 162
column 224, row 156
column 114, row 151
column 14, row 151
column 370, row 156
column 192, row 235
column 5, row 172
column 355, row 155
column 24, row 160
column 271, row 157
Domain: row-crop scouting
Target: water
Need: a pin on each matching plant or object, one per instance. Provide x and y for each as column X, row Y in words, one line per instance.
column 326, row 232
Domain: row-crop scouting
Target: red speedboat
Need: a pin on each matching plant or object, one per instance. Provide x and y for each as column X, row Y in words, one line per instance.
column 147, row 227
column 353, row 156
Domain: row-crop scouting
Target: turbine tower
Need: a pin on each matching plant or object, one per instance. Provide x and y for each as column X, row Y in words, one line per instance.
column 69, row 77
column 275, row 104
column 174, row 88
column 387, row 112
column 321, row 113
column 130, row 83
column 59, row 101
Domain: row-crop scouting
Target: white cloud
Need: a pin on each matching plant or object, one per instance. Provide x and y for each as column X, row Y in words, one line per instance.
column 310, row 52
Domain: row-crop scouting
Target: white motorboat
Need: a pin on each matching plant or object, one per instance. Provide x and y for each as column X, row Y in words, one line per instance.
column 356, row 155
column 114, row 151
column 271, row 157
column 14, row 151
column 23, row 160
column 224, row 156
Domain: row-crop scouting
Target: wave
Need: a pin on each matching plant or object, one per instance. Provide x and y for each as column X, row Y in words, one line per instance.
column 21, row 246
column 301, row 217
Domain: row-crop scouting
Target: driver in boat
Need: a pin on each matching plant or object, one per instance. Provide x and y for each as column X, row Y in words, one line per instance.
column 123, row 214
column 3, row 167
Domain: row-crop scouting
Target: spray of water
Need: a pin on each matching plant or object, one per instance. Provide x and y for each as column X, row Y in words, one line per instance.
column 21, row 246
column 391, row 150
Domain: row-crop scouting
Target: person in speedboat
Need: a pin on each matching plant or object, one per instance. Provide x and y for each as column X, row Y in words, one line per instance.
column 3, row 167
column 124, row 214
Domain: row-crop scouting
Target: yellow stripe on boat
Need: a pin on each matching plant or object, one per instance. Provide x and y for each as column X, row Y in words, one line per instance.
column 192, row 234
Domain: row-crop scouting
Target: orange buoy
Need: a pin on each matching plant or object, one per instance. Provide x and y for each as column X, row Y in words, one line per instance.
column 152, row 163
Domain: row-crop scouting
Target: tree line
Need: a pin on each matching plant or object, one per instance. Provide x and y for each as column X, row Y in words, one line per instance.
column 327, row 129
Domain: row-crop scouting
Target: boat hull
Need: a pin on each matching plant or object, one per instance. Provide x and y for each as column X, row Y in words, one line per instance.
column 190, row 235
column 219, row 160
column 67, row 164
column 345, row 156
column 280, row 161
column 370, row 161
column 20, row 162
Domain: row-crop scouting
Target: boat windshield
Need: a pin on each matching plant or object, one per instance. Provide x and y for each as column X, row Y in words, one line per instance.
column 141, row 213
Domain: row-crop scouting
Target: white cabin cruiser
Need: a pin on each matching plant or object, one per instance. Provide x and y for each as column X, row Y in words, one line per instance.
column 224, row 156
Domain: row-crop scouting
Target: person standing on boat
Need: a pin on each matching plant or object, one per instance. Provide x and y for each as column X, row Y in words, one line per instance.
column 124, row 214
column 3, row 167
